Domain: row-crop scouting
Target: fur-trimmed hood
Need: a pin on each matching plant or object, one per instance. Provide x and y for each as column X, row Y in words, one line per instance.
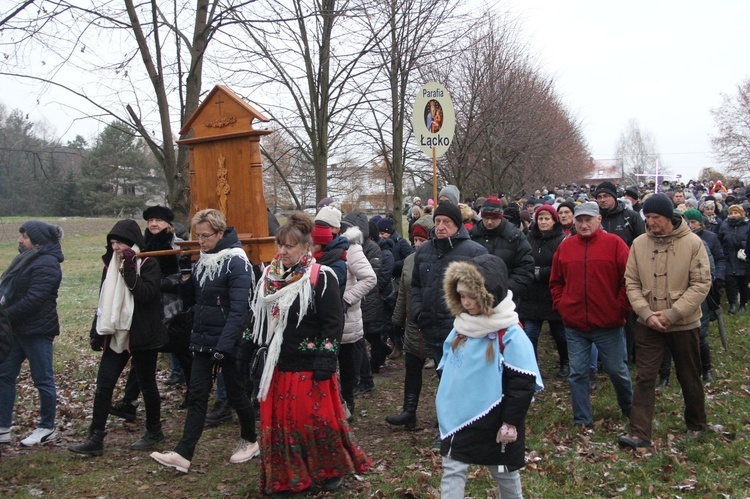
column 354, row 235
column 486, row 276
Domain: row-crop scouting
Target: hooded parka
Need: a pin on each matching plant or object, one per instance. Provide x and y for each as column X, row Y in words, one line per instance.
column 147, row 330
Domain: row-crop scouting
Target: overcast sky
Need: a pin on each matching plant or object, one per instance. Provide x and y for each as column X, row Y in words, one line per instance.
column 664, row 63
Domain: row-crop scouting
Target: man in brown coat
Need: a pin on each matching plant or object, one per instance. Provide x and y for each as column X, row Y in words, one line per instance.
column 667, row 277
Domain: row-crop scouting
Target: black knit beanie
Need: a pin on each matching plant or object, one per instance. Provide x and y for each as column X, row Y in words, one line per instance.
column 606, row 188
column 41, row 233
column 659, row 204
column 451, row 211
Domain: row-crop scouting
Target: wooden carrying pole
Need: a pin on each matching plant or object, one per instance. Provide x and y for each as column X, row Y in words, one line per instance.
column 180, row 252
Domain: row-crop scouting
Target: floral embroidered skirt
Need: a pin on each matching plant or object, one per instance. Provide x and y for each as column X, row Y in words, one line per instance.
column 304, row 434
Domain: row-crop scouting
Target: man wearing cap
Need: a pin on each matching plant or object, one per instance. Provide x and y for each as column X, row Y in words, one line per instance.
column 709, row 306
column 633, row 195
column 617, row 218
column 588, row 291
column 28, row 291
column 668, row 276
column 449, row 241
column 502, row 238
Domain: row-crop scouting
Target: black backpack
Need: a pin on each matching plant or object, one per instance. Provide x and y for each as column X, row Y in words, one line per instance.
column 6, row 335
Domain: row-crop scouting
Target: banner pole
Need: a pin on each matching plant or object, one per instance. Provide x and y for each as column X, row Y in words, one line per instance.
column 434, row 176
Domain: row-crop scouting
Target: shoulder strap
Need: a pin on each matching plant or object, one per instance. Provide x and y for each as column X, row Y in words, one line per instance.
column 314, row 273
column 500, row 335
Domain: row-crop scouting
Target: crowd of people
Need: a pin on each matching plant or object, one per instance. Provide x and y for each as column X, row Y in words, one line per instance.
column 609, row 268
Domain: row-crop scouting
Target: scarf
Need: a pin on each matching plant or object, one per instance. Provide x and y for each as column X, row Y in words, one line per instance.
column 470, row 387
column 8, row 279
column 209, row 265
column 114, row 315
column 277, row 290
column 477, row 326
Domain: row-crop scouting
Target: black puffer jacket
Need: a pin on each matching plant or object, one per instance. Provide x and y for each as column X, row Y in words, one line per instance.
column 432, row 259
column 221, row 303
column 623, row 222
column 6, row 335
column 374, row 314
column 538, row 302
column 401, row 250
column 733, row 237
column 147, row 331
column 509, row 243
column 32, row 308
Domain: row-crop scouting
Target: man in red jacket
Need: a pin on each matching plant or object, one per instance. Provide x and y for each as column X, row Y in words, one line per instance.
column 588, row 291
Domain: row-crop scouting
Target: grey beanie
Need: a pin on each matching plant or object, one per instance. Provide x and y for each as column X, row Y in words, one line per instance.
column 41, row 233
column 451, row 192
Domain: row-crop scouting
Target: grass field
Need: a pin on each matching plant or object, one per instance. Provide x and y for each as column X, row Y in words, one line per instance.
column 563, row 462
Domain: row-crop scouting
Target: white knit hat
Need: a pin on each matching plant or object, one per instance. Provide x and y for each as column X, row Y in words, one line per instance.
column 329, row 215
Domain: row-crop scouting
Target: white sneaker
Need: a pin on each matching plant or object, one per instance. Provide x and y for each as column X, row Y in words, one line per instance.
column 172, row 459
column 40, row 436
column 245, row 451
column 4, row 435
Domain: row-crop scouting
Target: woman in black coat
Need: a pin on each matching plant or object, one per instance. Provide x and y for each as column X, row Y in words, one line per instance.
column 545, row 236
column 218, row 290
column 127, row 326
column 159, row 236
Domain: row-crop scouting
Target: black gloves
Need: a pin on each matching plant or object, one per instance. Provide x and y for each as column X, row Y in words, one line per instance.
column 97, row 343
column 128, row 258
column 397, row 331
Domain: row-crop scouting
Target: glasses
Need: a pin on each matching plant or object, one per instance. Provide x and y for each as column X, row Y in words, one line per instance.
column 203, row 237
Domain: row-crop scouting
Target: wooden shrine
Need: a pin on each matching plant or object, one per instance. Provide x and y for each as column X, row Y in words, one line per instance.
column 225, row 167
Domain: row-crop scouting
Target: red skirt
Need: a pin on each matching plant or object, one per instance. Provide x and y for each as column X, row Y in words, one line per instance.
column 304, row 434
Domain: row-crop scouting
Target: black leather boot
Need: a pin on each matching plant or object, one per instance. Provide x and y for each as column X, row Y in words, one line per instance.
column 220, row 414
column 408, row 418
column 93, row 446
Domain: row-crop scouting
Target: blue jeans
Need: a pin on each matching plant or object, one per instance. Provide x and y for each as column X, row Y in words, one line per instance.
column 533, row 329
column 38, row 349
column 613, row 354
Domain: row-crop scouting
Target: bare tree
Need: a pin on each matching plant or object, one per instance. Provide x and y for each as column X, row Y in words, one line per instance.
column 732, row 143
column 105, row 41
column 512, row 131
column 305, row 56
column 415, row 31
column 636, row 149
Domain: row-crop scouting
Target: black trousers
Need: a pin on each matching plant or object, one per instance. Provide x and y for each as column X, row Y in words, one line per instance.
column 110, row 368
column 349, row 362
column 201, row 381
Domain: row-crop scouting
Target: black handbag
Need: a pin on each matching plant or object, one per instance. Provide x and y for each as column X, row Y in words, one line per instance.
column 258, row 362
